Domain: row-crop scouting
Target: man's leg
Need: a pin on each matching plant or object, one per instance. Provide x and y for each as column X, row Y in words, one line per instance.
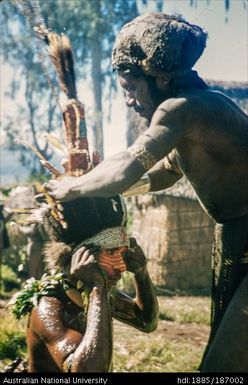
column 228, row 352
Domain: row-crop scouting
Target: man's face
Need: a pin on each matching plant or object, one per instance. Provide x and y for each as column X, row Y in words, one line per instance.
column 141, row 94
column 111, row 261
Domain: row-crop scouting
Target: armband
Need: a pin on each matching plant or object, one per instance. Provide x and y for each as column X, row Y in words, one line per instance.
column 143, row 156
column 171, row 164
column 143, row 186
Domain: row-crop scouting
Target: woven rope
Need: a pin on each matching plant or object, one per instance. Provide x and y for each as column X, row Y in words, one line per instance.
column 109, row 238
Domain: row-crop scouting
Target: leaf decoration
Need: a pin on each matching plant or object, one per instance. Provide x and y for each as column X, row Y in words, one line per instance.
column 23, row 301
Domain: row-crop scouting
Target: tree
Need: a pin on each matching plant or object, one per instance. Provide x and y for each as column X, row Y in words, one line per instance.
column 91, row 26
column 36, row 112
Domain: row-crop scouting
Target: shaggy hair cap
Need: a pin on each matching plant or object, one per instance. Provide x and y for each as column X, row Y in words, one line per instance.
column 158, row 44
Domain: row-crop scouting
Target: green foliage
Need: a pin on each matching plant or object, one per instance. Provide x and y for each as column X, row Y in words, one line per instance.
column 166, row 316
column 187, row 310
column 12, row 344
column 23, row 301
column 154, row 355
column 12, row 338
column 39, row 176
column 193, row 316
column 16, row 255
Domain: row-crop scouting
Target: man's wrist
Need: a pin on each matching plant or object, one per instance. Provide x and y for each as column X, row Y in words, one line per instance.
column 75, row 189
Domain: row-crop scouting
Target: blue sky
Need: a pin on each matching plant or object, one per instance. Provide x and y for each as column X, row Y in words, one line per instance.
column 226, row 54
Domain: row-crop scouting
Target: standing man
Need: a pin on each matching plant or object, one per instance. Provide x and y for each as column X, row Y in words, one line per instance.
column 191, row 131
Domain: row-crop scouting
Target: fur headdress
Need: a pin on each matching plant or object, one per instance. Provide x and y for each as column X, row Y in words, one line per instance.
column 158, row 44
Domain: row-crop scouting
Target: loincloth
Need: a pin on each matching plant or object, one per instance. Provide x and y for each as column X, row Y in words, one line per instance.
column 229, row 267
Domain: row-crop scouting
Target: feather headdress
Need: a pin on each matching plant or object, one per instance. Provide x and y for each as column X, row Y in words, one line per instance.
column 100, row 221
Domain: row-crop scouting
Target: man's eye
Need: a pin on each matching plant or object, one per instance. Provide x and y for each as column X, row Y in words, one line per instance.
column 131, row 89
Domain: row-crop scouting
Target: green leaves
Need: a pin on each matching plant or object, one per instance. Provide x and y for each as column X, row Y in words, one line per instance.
column 23, row 301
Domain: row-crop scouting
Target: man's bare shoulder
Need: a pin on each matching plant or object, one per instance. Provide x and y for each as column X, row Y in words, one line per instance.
column 189, row 99
column 193, row 104
column 184, row 107
column 47, row 317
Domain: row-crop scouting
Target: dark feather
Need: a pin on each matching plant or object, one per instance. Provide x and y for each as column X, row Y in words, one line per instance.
column 61, row 55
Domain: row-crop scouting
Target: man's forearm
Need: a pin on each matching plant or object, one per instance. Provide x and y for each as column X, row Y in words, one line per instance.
column 94, row 353
column 146, row 300
column 111, row 177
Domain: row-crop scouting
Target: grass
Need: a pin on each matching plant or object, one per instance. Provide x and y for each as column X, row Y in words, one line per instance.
column 10, row 281
column 176, row 346
column 152, row 353
column 185, row 309
column 12, row 338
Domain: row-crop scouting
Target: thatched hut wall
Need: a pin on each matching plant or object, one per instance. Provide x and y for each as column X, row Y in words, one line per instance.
column 177, row 237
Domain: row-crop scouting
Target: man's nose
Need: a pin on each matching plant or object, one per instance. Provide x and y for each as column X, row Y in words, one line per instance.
column 130, row 101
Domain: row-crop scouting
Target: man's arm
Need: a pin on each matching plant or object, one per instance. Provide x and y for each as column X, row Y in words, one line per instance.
column 117, row 173
column 74, row 351
column 142, row 311
column 88, row 350
column 165, row 173
column 111, row 177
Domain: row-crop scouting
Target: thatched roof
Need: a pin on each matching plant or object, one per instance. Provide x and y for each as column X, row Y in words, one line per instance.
column 235, row 90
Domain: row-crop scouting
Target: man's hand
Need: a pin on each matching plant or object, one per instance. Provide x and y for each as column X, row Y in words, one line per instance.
column 84, row 266
column 110, row 177
column 134, row 258
column 62, row 189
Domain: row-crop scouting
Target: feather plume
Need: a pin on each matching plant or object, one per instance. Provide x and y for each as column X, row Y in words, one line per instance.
column 56, row 143
column 60, row 52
